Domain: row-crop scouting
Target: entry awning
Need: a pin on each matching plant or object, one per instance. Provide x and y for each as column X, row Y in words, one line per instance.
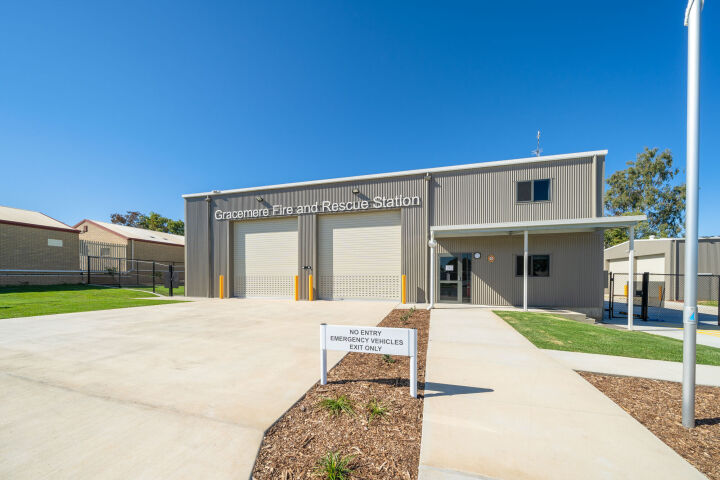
column 568, row 225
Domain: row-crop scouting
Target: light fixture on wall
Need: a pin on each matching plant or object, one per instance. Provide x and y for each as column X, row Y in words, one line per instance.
column 356, row 190
column 259, row 198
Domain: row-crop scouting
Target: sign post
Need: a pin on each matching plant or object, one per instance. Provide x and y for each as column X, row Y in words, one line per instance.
column 377, row 340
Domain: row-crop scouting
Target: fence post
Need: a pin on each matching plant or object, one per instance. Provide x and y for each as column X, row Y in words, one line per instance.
column 88, row 269
column 119, row 282
column 718, row 300
column 644, row 298
column 612, row 294
column 137, row 273
column 153, row 275
column 170, row 271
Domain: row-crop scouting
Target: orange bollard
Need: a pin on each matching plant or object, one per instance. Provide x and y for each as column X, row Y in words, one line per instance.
column 297, row 293
column 404, row 289
column 310, row 293
column 222, row 286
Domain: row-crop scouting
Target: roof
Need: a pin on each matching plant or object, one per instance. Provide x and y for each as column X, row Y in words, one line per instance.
column 658, row 240
column 469, row 166
column 141, row 234
column 536, row 226
column 31, row 218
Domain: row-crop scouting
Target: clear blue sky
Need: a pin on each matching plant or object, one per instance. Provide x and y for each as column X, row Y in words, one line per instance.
column 114, row 106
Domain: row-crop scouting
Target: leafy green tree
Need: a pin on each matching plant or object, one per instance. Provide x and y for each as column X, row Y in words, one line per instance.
column 647, row 187
column 153, row 221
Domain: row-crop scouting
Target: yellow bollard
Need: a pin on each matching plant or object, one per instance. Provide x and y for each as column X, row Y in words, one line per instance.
column 626, row 289
column 310, row 293
column 404, row 290
column 296, row 288
column 222, row 286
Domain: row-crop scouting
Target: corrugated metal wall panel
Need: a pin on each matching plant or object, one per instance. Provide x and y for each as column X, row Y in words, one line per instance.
column 575, row 269
column 196, row 254
column 359, row 255
column 488, row 195
column 265, row 257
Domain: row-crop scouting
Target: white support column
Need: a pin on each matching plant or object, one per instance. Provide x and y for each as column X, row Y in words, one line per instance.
column 631, row 278
column 525, row 269
column 323, row 354
column 413, row 363
column 432, row 244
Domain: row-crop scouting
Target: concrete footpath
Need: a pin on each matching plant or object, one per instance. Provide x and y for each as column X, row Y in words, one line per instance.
column 635, row 367
column 498, row 407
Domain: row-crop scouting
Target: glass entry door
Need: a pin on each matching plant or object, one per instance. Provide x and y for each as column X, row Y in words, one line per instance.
column 454, row 280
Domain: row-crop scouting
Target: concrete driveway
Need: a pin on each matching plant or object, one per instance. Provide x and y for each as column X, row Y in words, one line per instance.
column 169, row 391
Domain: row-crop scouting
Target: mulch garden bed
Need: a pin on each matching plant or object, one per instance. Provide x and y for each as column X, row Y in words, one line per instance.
column 657, row 405
column 385, row 447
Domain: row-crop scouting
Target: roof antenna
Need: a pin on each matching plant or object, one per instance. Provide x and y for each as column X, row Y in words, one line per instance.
column 538, row 150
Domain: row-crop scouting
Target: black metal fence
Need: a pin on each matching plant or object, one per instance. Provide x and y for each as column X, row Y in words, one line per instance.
column 660, row 296
column 121, row 272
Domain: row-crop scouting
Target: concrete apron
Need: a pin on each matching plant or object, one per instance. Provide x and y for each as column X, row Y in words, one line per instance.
column 181, row 391
column 498, row 407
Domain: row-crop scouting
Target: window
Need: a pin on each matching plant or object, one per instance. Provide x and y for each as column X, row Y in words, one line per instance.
column 533, row 191
column 538, row 265
column 85, row 228
column 104, row 251
column 54, row 243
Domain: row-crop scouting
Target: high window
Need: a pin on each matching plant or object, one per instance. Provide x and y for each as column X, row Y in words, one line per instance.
column 533, row 191
column 538, row 265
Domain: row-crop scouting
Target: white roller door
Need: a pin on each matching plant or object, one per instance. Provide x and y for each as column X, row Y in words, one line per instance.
column 359, row 255
column 265, row 255
column 650, row 263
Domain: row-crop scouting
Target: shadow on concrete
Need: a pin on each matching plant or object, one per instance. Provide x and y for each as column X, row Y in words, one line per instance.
column 436, row 389
column 445, row 390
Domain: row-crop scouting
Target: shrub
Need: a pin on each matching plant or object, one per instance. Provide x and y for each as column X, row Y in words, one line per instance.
column 333, row 466
column 375, row 409
column 336, row 406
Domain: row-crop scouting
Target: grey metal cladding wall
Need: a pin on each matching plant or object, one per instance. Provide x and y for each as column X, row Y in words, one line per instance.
column 196, row 247
column 414, row 252
column 338, row 192
column 307, row 238
column 575, row 269
column 488, row 195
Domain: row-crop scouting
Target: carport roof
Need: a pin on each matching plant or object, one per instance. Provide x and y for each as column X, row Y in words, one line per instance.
column 566, row 225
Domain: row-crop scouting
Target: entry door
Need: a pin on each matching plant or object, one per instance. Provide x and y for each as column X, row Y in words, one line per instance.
column 454, row 281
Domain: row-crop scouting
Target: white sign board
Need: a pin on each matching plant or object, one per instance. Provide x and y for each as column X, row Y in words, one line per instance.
column 379, row 340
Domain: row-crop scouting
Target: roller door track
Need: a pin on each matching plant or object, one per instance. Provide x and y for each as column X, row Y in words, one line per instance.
column 359, row 256
column 265, row 256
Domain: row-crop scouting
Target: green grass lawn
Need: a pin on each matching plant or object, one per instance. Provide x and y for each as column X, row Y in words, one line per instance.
column 709, row 303
column 26, row 301
column 178, row 291
column 557, row 333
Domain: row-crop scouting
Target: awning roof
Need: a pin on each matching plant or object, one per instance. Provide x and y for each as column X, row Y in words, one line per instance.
column 537, row 226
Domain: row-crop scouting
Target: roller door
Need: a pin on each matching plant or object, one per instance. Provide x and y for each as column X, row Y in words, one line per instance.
column 265, row 256
column 359, row 255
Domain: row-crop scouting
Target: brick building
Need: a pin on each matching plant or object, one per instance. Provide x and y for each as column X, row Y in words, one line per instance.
column 37, row 249
column 110, row 240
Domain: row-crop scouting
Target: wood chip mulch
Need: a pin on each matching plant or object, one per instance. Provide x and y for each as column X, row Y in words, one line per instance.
column 386, row 447
column 657, row 405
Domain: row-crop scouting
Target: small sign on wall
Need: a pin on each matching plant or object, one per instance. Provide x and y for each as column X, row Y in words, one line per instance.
column 491, row 258
column 54, row 243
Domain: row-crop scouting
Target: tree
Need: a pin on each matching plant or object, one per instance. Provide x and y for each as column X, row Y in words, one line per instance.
column 153, row 221
column 646, row 186
column 131, row 219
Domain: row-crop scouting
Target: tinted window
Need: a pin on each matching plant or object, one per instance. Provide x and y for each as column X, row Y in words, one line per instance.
column 540, row 265
column 541, row 190
column 519, row 265
column 524, row 190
